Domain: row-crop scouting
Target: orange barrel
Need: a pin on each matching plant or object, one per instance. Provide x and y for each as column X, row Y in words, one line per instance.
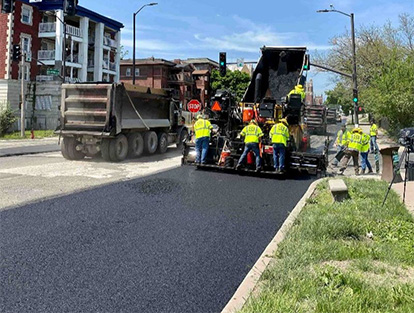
column 248, row 114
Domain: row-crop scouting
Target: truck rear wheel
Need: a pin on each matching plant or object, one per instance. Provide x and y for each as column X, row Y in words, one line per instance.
column 150, row 142
column 118, row 148
column 105, row 149
column 162, row 142
column 135, row 145
column 69, row 151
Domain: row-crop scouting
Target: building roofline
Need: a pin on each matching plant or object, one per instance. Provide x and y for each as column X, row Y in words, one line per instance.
column 50, row 5
column 148, row 61
column 201, row 60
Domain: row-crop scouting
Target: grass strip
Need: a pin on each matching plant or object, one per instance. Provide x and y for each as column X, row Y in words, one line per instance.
column 354, row 256
column 38, row 134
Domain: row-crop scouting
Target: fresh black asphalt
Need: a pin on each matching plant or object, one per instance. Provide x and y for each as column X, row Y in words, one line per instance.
column 179, row 241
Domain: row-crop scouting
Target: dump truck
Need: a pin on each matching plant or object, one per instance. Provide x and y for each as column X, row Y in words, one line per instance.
column 118, row 121
column 278, row 70
column 315, row 119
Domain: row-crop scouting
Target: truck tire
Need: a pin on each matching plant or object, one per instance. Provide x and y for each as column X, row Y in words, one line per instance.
column 135, row 145
column 229, row 162
column 183, row 136
column 162, row 143
column 69, row 151
column 118, row 148
column 105, row 149
column 150, row 142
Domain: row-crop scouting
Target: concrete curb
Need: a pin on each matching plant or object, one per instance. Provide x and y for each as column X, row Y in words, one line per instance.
column 249, row 283
column 7, row 155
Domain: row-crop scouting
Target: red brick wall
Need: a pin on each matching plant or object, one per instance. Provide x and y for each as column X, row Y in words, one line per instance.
column 3, row 41
column 32, row 30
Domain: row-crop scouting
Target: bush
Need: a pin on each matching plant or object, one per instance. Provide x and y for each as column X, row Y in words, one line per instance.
column 6, row 121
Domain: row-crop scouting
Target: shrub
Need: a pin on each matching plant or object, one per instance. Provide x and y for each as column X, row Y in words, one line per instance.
column 6, row 121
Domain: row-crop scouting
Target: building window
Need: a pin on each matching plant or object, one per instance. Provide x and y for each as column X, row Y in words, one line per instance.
column 27, row 13
column 128, row 72
column 137, row 72
column 26, row 44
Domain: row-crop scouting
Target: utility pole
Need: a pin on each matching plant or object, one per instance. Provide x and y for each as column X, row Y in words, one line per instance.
column 22, row 107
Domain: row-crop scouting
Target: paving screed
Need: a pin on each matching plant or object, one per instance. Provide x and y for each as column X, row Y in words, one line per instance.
column 178, row 241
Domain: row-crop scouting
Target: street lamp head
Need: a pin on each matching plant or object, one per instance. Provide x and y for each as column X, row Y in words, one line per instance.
column 322, row 11
column 153, row 3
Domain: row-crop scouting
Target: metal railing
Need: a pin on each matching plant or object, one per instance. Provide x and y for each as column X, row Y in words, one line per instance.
column 72, row 80
column 51, row 28
column 72, row 58
column 111, row 66
column 46, row 54
column 47, row 27
column 109, row 42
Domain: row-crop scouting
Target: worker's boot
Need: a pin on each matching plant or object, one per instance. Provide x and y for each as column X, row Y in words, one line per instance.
column 363, row 171
column 370, row 171
column 258, row 169
column 238, row 167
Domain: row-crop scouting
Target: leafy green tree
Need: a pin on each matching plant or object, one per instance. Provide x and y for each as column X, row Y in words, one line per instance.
column 236, row 82
column 340, row 95
column 385, row 68
column 7, row 119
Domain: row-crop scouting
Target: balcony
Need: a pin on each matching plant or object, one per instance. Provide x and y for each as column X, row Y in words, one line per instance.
column 45, row 78
column 109, row 42
column 110, row 66
column 46, row 55
column 180, row 78
column 47, row 28
column 73, row 58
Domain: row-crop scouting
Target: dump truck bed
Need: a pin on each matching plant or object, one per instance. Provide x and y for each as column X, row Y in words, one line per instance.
column 107, row 109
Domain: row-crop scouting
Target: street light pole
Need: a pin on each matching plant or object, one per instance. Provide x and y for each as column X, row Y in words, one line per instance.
column 133, row 40
column 354, row 67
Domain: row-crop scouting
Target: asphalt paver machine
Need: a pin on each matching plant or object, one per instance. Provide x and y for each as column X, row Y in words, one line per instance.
column 278, row 70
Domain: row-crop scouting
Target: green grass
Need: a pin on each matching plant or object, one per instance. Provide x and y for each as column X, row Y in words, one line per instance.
column 37, row 133
column 329, row 263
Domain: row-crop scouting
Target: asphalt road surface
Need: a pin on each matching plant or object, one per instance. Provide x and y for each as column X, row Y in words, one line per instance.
column 177, row 241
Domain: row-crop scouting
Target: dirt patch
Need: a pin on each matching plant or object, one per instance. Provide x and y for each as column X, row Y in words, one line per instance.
column 377, row 273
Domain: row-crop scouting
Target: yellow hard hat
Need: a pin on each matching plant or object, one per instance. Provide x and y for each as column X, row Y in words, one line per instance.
column 199, row 116
column 284, row 121
column 253, row 121
column 299, row 86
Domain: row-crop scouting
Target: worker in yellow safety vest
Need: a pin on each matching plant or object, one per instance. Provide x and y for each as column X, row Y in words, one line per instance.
column 298, row 90
column 373, row 132
column 353, row 148
column 252, row 134
column 364, row 154
column 279, row 134
column 341, row 138
column 202, row 130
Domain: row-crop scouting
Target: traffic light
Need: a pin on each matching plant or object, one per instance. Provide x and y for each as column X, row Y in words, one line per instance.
column 7, row 6
column 222, row 63
column 355, row 98
column 16, row 52
column 70, row 7
column 306, row 64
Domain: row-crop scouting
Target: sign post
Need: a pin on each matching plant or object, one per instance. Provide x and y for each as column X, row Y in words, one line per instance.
column 194, row 106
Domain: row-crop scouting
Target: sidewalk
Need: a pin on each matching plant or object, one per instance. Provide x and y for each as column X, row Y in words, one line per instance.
column 15, row 147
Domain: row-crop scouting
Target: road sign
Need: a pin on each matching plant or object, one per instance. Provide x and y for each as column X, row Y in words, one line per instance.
column 52, row 71
column 194, row 106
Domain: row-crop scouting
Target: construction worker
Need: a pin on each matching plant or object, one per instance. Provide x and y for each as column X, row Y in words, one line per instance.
column 279, row 134
column 353, row 148
column 373, row 132
column 298, row 90
column 202, row 129
column 252, row 134
column 341, row 138
column 364, row 154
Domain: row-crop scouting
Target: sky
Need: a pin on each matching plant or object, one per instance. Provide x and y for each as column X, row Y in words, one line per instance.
column 187, row 28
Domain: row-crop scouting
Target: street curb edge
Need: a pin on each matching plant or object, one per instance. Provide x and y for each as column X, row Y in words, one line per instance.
column 249, row 283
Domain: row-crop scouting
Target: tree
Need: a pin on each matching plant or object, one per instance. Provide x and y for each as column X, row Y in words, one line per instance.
column 385, row 68
column 235, row 81
column 123, row 53
column 340, row 95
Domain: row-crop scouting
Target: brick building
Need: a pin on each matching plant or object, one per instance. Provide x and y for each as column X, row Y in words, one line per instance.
column 187, row 79
column 91, row 48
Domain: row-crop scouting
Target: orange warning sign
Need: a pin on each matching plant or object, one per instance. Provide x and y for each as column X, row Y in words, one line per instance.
column 216, row 106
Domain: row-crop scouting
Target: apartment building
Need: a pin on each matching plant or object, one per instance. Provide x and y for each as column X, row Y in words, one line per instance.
column 90, row 51
column 187, row 79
